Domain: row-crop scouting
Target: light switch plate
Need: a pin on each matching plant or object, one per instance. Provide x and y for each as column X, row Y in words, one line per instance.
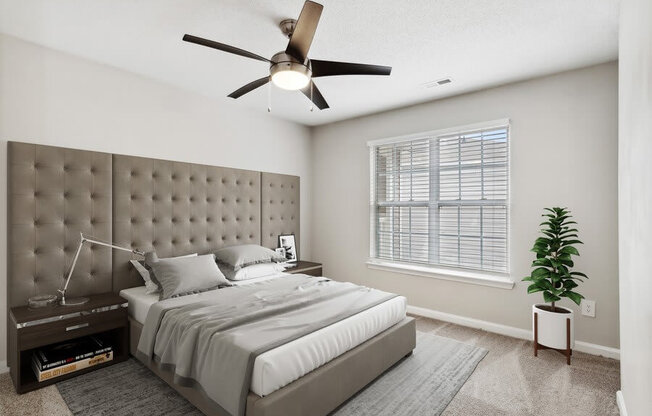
column 588, row 307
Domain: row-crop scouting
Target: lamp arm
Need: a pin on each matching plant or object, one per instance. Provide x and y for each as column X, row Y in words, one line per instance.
column 72, row 266
column 82, row 240
column 102, row 243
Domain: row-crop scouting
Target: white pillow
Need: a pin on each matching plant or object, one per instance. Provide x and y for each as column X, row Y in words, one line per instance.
column 253, row 271
column 150, row 286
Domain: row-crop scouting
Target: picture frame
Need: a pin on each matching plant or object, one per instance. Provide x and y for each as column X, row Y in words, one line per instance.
column 288, row 243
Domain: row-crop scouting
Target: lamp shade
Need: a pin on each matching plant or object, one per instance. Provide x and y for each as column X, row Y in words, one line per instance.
column 288, row 73
column 290, row 80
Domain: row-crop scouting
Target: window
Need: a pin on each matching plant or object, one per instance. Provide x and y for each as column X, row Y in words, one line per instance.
column 441, row 199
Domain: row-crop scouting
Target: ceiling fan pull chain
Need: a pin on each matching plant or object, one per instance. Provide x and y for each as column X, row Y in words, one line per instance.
column 312, row 103
column 269, row 97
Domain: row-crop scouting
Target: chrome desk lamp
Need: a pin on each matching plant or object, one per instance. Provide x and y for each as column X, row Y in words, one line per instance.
column 83, row 239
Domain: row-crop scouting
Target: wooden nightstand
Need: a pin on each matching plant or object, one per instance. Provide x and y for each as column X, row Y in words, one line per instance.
column 306, row 267
column 30, row 329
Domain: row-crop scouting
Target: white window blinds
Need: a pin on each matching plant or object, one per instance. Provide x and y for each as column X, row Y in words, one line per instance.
column 442, row 200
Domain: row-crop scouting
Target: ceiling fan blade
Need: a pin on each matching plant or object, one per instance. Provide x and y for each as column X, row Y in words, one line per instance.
column 304, row 31
column 317, row 98
column 222, row 47
column 330, row 68
column 249, row 87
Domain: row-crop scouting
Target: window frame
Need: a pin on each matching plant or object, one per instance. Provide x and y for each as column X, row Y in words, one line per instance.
column 460, row 274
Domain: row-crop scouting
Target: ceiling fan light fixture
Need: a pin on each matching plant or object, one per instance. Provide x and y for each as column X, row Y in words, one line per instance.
column 290, row 79
column 289, row 74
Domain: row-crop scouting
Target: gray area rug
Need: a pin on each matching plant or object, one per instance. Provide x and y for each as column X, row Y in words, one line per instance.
column 124, row 389
column 422, row 384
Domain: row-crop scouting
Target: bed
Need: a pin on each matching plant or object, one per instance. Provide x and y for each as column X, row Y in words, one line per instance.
column 280, row 366
column 292, row 369
column 175, row 209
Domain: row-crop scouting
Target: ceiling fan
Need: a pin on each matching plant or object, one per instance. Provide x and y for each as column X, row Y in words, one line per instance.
column 292, row 69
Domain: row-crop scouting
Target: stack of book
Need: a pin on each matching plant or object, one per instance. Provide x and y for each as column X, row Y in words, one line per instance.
column 67, row 357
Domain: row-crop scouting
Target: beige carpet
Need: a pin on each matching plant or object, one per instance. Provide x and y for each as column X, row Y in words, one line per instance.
column 44, row 402
column 509, row 381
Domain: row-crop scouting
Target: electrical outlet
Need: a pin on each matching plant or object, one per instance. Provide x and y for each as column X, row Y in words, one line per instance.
column 588, row 308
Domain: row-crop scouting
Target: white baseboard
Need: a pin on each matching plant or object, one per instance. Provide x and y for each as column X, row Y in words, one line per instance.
column 509, row 331
column 3, row 367
column 621, row 403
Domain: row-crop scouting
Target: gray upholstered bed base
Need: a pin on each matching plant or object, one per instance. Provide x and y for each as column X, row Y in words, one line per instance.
column 322, row 390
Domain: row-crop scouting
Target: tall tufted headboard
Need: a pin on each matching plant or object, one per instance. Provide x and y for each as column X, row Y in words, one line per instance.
column 52, row 195
column 174, row 208
column 280, row 207
column 180, row 208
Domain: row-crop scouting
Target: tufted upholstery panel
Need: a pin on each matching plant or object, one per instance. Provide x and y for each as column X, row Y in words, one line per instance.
column 280, row 207
column 175, row 208
column 52, row 195
column 180, row 208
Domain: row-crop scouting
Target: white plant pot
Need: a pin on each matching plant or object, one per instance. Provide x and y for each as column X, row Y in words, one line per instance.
column 552, row 327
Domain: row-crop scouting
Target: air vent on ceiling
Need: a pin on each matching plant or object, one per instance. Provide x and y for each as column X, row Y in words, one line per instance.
column 437, row 83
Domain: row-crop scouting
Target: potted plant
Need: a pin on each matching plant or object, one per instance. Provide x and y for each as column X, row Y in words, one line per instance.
column 552, row 274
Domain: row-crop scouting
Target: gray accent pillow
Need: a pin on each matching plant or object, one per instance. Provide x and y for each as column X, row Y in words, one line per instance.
column 245, row 255
column 226, row 270
column 183, row 276
column 145, row 271
column 150, row 258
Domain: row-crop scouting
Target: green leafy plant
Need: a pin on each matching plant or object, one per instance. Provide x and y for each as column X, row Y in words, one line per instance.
column 551, row 272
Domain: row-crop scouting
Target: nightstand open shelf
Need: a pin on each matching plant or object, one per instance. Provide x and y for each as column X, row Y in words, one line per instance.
column 32, row 329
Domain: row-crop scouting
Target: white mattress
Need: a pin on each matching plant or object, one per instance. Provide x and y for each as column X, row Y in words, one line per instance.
column 139, row 302
column 280, row 366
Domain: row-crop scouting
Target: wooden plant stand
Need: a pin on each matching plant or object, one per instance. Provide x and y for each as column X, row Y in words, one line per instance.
column 567, row 352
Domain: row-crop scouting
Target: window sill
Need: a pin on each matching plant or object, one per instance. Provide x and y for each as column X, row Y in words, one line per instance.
column 475, row 278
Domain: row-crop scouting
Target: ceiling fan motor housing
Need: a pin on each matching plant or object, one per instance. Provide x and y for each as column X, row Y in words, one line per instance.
column 284, row 62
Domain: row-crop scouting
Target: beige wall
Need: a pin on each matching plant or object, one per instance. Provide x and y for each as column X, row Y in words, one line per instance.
column 53, row 98
column 563, row 152
column 635, row 202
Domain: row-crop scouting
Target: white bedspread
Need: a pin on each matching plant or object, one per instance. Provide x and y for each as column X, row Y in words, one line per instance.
column 280, row 366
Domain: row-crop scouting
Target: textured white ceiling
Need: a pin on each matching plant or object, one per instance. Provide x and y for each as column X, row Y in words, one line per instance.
column 478, row 43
